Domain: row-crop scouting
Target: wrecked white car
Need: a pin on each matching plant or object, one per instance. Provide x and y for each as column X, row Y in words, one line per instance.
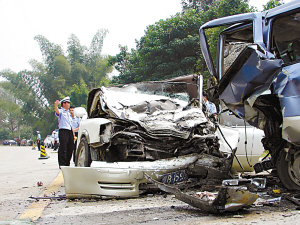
column 250, row 148
column 257, row 78
column 151, row 127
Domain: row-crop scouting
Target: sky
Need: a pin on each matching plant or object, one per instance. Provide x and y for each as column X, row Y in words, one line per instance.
column 56, row 20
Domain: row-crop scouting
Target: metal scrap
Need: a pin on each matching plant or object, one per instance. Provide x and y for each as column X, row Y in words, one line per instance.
column 227, row 199
column 292, row 199
column 61, row 197
column 272, row 201
column 257, row 182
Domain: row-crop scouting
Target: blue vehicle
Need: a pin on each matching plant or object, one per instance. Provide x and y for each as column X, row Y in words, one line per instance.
column 256, row 75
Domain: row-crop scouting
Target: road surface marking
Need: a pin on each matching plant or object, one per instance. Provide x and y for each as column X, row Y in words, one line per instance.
column 35, row 210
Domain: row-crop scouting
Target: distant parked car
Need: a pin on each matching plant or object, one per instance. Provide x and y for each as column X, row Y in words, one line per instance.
column 29, row 142
column 49, row 141
column 9, row 142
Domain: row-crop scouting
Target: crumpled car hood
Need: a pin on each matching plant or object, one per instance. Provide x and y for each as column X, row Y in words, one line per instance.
column 154, row 120
column 157, row 114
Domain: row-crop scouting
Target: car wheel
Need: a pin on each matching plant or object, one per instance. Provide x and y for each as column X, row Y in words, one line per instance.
column 289, row 171
column 83, row 155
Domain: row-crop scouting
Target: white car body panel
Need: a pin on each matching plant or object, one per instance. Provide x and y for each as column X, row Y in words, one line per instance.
column 123, row 178
column 254, row 148
column 291, row 128
column 92, row 127
column 254, row 145
column 119, row 178
column 232, row 137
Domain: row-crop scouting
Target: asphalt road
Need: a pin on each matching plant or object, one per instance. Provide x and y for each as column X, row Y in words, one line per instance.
column 21, row 170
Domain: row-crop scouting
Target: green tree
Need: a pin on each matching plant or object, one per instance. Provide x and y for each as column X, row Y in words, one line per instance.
column 122, row 62
column 26, row 132
column 49, row 50
column 4, row 134
column 197, row 5
column 272, row 4
column 96, row 63
column 98, row 71
column 11, row 116
column 60, row 74
column 15, row 90
column 171, row 47
column 79, row 71
column 76, row 52
column 97, row 44
column 62, row 69
column 78, row 94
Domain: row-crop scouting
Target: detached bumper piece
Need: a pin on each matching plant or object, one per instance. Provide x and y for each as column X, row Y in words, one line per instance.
column 120, row 179
column 227, row 199
column 86, row 182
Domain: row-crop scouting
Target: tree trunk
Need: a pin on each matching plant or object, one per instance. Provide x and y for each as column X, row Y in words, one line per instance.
column 19, row 132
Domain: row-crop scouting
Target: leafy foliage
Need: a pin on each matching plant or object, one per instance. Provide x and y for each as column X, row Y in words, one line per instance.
column 272, row 4
column 11, row 116
column 198, row 5
column 4, row 134
column 171, row 47
column 59, row 75
column 79, row 93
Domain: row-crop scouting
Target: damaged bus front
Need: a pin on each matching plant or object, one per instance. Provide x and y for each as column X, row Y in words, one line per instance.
column 256, row 75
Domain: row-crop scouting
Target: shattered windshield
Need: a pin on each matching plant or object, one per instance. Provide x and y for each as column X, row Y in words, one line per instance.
column 286, row 36
column 130, row 95
column 166, row 89
column 236, row 39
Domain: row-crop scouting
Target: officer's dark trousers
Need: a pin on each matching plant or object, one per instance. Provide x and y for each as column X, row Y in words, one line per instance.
column 75, row 145
column 66, row 146
column 39, row 144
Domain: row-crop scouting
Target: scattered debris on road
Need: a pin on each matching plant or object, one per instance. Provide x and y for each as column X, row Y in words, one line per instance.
column 292, row 199
column 61, row 197
column 227, row 198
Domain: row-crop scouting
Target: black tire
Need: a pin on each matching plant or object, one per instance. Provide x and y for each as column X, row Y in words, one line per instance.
column 288, row 172
column 83, row 154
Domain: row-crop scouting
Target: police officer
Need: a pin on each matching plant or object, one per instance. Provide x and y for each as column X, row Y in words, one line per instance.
column 38, row 140
column 55, row 137
column 211, row 106
column 75, row 125
column 66, row 134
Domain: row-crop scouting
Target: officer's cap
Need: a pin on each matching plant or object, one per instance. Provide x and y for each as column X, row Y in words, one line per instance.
column 66, row 99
